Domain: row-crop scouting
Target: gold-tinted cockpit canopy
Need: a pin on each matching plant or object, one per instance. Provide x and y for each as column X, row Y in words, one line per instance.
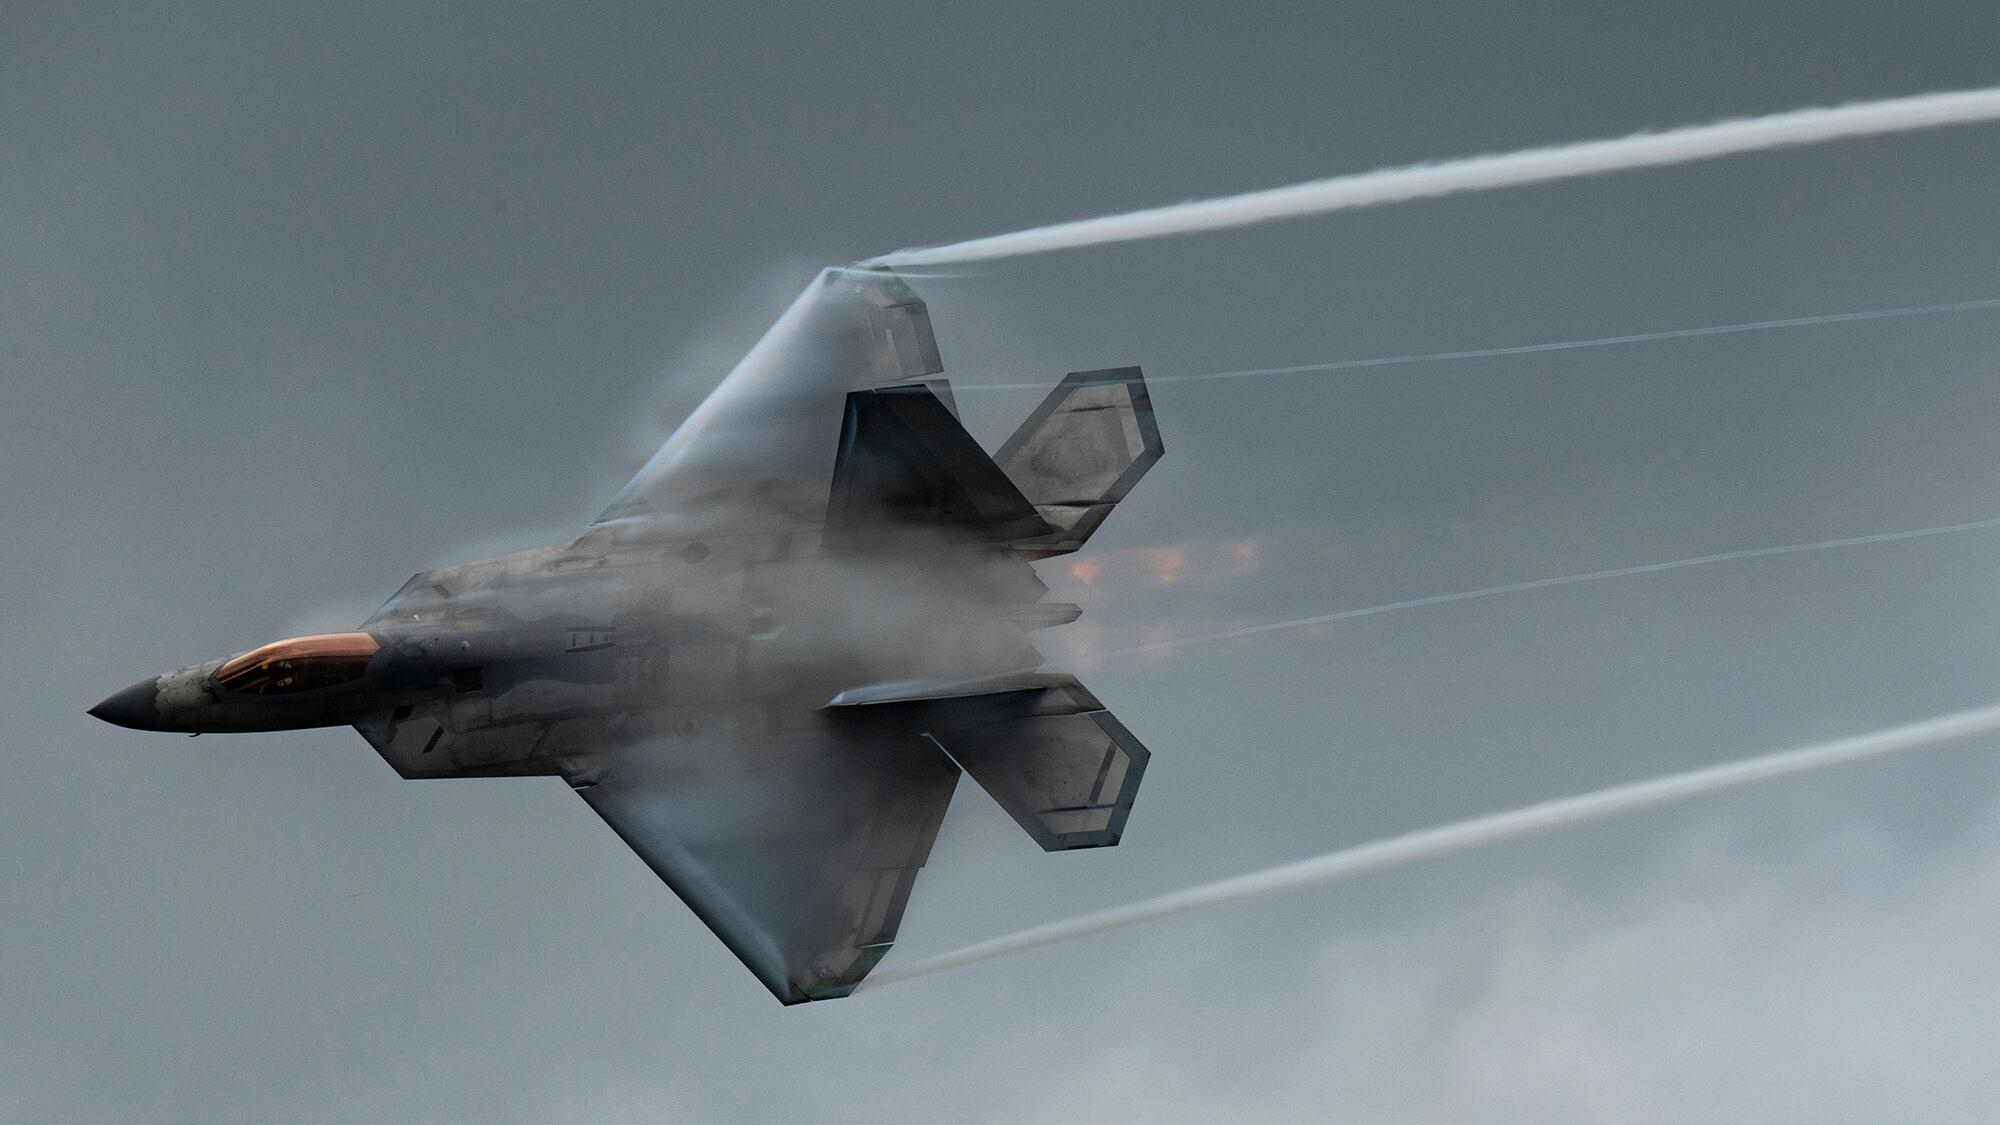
column 299, row 664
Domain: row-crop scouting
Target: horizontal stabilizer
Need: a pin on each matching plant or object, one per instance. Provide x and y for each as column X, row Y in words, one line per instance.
column 1062, row 766
column 799, row 851
column 1039, row 743
column 1081, row 452
column 931, row 691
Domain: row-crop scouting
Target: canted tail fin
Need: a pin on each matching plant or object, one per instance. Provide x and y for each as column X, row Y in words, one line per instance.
column 1040, row 744
column 1080, row 452
column 905, row 461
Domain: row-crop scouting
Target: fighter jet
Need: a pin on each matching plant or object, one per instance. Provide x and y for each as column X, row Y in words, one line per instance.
column 767, row 662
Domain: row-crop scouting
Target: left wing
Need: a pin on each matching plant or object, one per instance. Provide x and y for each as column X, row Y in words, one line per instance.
column 797, row 848
column 758, row 453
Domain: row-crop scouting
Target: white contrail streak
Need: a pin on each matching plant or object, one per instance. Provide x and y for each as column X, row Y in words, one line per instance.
column 1478, row 832
column 1543, row 584
column 1592, row 342
column 1479, row 173
column 1529, row 349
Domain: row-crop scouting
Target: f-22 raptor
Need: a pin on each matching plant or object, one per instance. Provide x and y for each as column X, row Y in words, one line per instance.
column 767, row 662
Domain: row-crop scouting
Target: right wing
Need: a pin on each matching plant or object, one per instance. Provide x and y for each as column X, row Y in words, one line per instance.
column 797, row 848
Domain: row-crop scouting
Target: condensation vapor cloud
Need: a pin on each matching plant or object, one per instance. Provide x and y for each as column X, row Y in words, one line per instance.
column 1479, row 173
column 1466, row 834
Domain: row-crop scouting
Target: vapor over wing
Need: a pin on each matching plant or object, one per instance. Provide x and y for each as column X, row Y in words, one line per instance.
column 758, row 453
column 797, row 848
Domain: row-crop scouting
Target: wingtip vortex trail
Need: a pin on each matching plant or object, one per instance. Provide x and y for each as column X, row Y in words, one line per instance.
column 1477, row 832
column 1390, row 185
column 1789, row 129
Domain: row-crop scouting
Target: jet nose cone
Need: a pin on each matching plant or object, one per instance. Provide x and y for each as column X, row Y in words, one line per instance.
column 134, row 707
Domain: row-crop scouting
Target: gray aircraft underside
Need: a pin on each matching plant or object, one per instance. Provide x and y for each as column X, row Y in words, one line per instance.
column 767, row 662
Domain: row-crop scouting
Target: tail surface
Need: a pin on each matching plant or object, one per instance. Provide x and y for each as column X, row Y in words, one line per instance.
column 1040, row 744
column 1081, row 452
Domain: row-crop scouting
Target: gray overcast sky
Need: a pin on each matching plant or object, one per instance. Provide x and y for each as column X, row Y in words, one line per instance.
column 298, row 300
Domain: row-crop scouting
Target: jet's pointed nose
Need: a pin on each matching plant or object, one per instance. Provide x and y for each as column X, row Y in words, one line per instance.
column 135, row 707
